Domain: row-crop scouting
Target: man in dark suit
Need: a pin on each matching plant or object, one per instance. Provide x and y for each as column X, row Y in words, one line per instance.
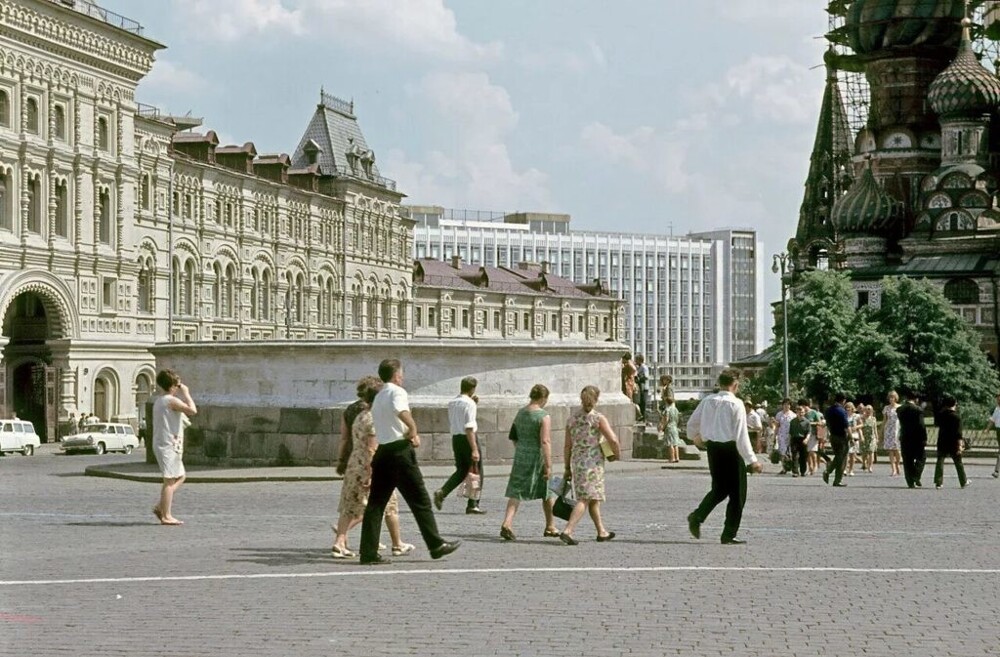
column 912, row 439
column 836, row 429
column 950, row 442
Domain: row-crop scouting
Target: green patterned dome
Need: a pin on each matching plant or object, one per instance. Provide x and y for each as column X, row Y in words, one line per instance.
column 866, row 207
column 876, row 25
column 965, row 87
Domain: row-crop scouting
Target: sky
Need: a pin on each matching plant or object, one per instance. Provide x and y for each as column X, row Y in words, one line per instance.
column 647, row 116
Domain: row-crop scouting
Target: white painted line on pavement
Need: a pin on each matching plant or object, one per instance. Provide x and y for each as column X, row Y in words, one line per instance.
column 384, row 571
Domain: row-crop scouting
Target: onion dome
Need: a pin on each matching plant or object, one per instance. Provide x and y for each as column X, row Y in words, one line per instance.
column 965, row 87
column 877, row 25
column 866, row 207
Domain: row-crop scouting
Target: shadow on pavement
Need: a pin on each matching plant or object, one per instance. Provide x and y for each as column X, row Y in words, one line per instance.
column 276, row 557
column 111, row 523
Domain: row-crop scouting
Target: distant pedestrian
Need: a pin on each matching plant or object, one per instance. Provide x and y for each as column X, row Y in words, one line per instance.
column 912, row 439
column 666, row 388
column 641, row 381
column 394, row 465
column 853, row 435
column 890, row 433
column 82, row 422
column 170, row 412
column 358, row 443
column 995, row 419
column 837, row 430
column 950, row 442
column 817, row 436
column 529, row 474
column 464, row 443
column 782, row 422
column 755, row 428
column 585, row 463
column 628, row 377
column 669, row 417
column 720, row 421
column 869, row 437
column 798, row 439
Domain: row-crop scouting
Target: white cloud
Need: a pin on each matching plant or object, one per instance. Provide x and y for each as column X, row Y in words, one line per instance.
column 768, row 13
column 231, row 20
column 660, row 157
column 549, row 59
column 168, row 79
column 423, row 27
column 777, row 88
column 477, row 171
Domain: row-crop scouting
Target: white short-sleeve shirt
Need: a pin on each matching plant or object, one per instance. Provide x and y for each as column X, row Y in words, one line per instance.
column 462, row 414
column 389, row 402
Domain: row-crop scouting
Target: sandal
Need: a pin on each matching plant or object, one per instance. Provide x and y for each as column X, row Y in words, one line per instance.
column 341, row 553
column 551, row 533
column 506, row 534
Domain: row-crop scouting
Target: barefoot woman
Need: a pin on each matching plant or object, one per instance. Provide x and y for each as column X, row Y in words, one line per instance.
column 169, row 411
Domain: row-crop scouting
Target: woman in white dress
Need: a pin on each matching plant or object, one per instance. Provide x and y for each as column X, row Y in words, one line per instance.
column 170, row 413
column 890, row 433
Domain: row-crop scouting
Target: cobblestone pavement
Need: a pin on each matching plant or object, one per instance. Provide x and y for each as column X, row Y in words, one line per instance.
column 871, row 569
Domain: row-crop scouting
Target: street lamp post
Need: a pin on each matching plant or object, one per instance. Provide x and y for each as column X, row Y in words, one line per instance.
column 783, row 263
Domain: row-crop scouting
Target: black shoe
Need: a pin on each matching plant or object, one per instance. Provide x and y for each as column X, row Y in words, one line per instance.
column 438, row 500
column 507, row 534
column 605, row 538
column 567, row 539
column 918, row 484
column 445, row 549
column 475, row 510
column 378, row 560
column 826, row 476
column 733, row 541
column 694, row 526
column 840, row 484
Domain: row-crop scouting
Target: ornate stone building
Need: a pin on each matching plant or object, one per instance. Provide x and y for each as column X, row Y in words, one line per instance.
column 526, row 303
column 913, row 192
column 120, row 228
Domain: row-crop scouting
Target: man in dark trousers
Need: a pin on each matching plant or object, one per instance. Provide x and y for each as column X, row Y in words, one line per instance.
column 720, row 421
column 836, row 431
column 394, row 465
column 912, row 439
column 464, row 443
column 950, row 442
column 642, row 382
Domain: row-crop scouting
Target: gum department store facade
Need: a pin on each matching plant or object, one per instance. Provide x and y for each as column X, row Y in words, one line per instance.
column 94, row 270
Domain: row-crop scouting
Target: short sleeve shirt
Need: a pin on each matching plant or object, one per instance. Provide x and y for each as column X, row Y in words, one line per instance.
column 389, row 403
column 461, row 415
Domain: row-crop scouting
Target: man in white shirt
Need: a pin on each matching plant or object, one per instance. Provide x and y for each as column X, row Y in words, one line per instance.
column 394, row 465
column 464, row 443
column 721, row 422
column 995, row 418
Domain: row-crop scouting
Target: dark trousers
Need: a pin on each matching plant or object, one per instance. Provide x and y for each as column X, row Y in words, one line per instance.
column 729, row 480
column 799, row 455
column 641, row 401
column 956, row 458
column 394, row 466
column 914, row 458
column 836, row 466
column 463, row 462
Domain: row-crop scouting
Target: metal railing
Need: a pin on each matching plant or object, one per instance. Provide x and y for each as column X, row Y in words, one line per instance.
column 338, row 104
column 93, row 10
column 388, row 183
column 147, row 111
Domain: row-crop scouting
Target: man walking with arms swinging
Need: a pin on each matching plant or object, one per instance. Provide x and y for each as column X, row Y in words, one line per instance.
column 721, row 422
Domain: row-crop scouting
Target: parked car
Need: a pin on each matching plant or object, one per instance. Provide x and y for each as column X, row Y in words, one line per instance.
column 18, row 436
column 101, row 438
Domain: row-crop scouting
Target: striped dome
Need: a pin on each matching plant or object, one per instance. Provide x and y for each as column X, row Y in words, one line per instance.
column 866, row 207
column 965, row 87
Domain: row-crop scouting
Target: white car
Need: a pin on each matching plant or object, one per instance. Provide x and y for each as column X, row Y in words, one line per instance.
column 101, row 438
column 18, row 436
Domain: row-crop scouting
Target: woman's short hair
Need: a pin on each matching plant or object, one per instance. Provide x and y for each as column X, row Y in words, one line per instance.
column 368, row 387
column 588, row 397
column 893, row 395
column 670, row 400
column 538, row 392
column 167, row 379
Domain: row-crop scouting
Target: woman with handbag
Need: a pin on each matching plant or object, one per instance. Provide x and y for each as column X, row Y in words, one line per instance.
column 529, row 474
column 585, row 463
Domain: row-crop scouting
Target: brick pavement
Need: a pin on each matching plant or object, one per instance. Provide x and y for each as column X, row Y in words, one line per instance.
column 508, row 599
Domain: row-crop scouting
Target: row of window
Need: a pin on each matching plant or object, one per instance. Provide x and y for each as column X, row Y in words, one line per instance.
column 35, row 124
column 522, row 321
column 38, row 206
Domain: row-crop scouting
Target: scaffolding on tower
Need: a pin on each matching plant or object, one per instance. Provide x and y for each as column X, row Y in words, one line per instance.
column 850, row 71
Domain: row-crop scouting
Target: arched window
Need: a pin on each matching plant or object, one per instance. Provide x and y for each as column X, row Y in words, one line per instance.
column 104, row 216
column 35, row 204
column 230, row 292
column 62, row 209
column 176, row 286
column 217, row 285
column 265, row 294
column 106, row 395
column 372, row 319
column 102, row 134
column 6, row 215
column 187, row 291
column 31, row 120
column 144, row 286
column 254, row 295
column 387, row 314
column 357, row 314
column 59, row 116
column 144, row 191
column 401, row 316
column 300, row 299
column 4, row 109
column 143, row 391
column 962, row 291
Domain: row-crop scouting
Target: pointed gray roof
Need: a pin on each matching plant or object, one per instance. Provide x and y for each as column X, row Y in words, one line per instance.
column 334, row 129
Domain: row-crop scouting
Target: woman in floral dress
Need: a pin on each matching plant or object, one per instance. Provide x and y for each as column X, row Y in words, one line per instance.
column 529, row 474
column 869, row 435
column 890, row 433
column 668, row 425
column 585, row 463
column 358, row 428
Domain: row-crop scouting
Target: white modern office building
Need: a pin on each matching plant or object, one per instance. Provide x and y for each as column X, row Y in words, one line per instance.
column 693, row 303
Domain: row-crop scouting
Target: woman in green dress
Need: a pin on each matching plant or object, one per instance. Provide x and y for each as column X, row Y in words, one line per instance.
column 668, row 425
column 529, row 474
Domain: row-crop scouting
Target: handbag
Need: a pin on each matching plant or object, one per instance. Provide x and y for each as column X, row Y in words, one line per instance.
column 775, row 457
column 607, row 449
column 561, row 508
column 471, row 486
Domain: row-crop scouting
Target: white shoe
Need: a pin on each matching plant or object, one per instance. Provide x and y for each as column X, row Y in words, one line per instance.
column 402, row 548
column 381, row 547
column 341, row 553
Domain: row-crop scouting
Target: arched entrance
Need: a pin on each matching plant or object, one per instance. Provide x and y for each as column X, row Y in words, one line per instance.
column 27, row 377
column 106, row 395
